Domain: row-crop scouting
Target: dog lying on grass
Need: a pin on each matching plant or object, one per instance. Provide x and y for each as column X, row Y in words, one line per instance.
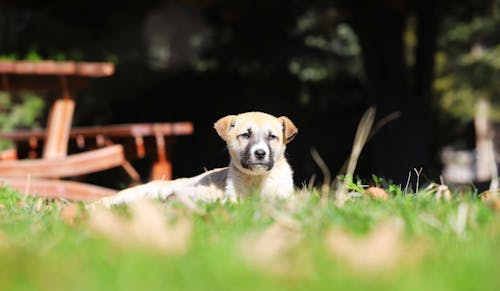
column 256, row 144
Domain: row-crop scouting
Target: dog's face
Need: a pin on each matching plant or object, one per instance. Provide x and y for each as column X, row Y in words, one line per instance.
column 255, row 140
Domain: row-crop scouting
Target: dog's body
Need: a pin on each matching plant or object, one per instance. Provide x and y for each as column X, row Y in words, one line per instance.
column 256, row 143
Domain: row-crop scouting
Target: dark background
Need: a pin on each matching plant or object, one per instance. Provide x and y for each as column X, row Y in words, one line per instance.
column 321, row 63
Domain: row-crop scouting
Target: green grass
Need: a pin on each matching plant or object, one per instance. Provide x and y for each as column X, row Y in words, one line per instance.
column 39, row 251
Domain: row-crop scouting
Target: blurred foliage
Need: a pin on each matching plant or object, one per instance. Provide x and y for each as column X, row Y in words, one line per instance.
column 21, row 114
column 340, row 42
column 468, row 65
column 23, row 111
column 32, row 55
column 313, row 43
column 20, row 110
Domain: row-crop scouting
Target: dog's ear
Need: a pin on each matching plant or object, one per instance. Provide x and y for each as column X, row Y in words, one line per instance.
column 289, row 129
column 224, row 125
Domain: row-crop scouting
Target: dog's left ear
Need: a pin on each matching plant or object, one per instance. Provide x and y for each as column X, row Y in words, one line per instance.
column 289, row 129
column 224, row 125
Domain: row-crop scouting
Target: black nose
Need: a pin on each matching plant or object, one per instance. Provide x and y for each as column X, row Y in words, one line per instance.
column 259, row 154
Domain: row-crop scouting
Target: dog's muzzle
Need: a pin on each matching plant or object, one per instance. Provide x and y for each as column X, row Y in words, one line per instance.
column 257, row 160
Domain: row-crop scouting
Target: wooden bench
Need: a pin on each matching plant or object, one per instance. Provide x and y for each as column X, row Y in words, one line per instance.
column 50, row 188
column 69, row 166
column 56, row 163
column 139, row 140
column 54, row 160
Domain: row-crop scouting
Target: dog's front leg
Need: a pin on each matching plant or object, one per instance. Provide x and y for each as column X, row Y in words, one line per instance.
column 152, row 190
column 230, row 193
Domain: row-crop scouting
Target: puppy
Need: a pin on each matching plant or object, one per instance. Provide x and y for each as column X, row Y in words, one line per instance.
column 256, row 144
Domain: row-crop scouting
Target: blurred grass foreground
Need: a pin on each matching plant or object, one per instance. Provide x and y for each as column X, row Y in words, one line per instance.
column 430, row 240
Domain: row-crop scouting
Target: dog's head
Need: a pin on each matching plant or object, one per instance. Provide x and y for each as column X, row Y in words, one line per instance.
column 255, row 140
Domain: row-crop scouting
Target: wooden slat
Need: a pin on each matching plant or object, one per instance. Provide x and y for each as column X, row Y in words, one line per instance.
column 44, row 68
column 58, row 129
column 7, row 67
column 64, row 68
column 57, row 188
column 45, row 75
column 94, row 69
column 76, row 164
column 23, row 67
column 122, row 130
column 135, row 129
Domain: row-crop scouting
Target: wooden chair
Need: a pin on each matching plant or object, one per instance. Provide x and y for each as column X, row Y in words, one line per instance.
column 57, row 188
column 67, row 166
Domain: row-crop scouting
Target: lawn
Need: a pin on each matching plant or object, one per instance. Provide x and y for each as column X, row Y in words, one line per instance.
column 408, row 242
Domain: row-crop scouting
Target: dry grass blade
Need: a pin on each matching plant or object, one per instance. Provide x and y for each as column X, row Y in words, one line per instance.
column 460, row 222
column 382, row 122
column 443, row 192
column 27, row 188
column 310, row 183
column 327, row 178
column 147, row 228
column 39, row 204
column 418, row 173
column 407, row 183
column 360, row 139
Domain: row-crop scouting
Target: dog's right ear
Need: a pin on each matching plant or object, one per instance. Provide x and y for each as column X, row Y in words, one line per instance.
column 224, row 125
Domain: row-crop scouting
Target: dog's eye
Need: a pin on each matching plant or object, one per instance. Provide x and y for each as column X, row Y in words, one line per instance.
column 245, row 135
column 271, row 137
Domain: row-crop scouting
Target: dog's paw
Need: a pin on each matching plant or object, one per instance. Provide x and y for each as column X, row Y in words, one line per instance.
column 231, row 199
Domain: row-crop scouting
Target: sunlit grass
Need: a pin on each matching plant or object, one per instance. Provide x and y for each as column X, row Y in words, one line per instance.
column 256, row 245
